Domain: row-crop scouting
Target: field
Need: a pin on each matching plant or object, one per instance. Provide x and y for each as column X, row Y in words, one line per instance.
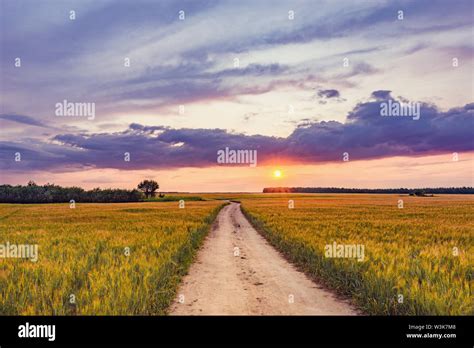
column 418, row 259
column 99, row 259
column 129, row 258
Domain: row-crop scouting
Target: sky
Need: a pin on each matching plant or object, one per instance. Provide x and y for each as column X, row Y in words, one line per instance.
column 169, row 84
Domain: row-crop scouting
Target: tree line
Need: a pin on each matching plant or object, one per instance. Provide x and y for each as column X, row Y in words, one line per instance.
column 410, row 191
column 50, row 193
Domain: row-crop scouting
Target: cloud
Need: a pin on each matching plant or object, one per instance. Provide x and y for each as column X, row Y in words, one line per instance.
column 30, row 121
column 356, row 69
column 381, row 94
column 333, row 94
column 328, row 93
column 186, row 60
column 364, row 135
column 188, row 83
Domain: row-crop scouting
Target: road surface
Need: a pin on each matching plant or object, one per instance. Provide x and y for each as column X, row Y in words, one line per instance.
column 237, row 272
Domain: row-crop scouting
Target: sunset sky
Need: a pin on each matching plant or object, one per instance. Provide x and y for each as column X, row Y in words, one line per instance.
column 300, row 82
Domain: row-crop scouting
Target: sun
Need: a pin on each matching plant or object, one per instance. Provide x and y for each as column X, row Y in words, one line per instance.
column 277, row 173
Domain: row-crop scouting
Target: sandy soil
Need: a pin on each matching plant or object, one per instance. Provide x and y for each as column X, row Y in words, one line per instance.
column 253, row 279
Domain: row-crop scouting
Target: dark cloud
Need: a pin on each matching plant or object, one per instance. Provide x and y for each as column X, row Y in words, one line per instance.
column 364, row 135
column 332, row 94
column 328, row 93
column 381, row 94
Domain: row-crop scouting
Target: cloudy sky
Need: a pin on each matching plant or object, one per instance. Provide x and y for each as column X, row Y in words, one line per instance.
column 300, row 82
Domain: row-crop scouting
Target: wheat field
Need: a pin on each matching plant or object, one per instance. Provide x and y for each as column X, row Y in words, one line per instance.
column 99, row 259
column 418, row 258
column 128, row 259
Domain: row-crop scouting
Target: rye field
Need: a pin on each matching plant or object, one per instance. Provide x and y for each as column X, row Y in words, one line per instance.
column 99, row 259
column 418, row 258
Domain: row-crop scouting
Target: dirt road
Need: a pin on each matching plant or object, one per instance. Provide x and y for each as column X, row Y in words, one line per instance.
column 237, row 272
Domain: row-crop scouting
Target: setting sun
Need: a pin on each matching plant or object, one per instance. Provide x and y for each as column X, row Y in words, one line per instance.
column 277, row 173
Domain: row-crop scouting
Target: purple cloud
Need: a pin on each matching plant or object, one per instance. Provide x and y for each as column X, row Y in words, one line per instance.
column 328, row 93
column 364, row 135
column 382, row 94
column 23, row 119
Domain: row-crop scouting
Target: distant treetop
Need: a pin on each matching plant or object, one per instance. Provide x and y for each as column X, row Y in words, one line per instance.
column 413, row 191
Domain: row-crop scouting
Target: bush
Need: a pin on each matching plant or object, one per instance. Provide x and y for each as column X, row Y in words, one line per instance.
column 51, row 193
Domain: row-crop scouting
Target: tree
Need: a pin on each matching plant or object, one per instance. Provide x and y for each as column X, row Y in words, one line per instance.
column 148, row 187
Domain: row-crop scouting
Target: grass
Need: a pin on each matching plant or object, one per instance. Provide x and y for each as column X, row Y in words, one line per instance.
column 408, row 251
column 173, row 198
column 82, row 252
